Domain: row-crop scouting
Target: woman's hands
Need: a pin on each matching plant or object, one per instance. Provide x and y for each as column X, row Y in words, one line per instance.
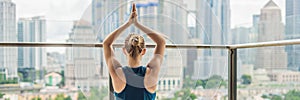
column 133, row 15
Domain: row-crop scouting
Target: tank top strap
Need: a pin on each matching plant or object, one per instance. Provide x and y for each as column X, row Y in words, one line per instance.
column 135, row 76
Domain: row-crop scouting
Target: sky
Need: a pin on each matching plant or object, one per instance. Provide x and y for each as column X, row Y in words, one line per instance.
column 60, row 14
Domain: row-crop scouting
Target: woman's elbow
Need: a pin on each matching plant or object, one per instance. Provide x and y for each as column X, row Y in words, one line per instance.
column 107, row 43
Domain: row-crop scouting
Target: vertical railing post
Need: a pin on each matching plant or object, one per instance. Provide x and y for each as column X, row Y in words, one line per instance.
column 232, row 69
column 111, row 90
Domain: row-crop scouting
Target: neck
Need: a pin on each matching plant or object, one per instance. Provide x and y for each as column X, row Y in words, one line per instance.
column 134, row 62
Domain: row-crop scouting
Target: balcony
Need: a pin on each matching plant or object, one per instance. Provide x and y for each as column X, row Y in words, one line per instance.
column 215, row 51
column 233, row 85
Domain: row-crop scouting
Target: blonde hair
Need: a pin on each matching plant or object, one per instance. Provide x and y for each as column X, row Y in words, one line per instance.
column 134, row 44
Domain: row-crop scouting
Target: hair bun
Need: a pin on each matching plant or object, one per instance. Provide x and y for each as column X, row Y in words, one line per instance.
column 135, row 41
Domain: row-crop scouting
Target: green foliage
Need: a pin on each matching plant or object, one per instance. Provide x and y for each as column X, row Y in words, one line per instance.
column 184, row 94
column 20, row 75
column 81, row 96
column 68, row 98
column 276, row 97
column 37, row 98
column 292, row 95
column 60, row 97
column 264, row 96
column 8, row 81
column 246, row 79
column 1, row 95
column 214, row 81
column 98, row 94
column 2, row 77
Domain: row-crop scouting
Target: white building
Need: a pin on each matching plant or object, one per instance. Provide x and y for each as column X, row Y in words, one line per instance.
column 8, row 56
column 32, row 30
column 271, row 28
column 82, row 67
column 54, row 63
column 213, row 23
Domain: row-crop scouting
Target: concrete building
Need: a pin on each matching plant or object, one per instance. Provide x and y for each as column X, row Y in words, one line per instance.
column 285, row 77
column 214, row 27
column 8, row 56
column 32, row 30
column 293, row 32
column 82, row 68
column 260, row 76
column 271, row 28
column 55, row 62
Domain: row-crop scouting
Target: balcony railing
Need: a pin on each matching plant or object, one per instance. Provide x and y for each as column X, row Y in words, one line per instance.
column 232, row 54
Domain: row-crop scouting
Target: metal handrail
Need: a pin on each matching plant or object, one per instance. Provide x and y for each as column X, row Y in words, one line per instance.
column 232, row 54
column 117, row 45
column 266, row 44
column 181, row 46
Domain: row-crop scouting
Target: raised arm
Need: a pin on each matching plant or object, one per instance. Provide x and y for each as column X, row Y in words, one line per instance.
column 114, row 66
column 153, row 67
column 160, row 44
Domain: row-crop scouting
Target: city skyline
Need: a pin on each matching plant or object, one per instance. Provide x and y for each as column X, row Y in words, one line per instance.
column 59, row 21
column 81, row 72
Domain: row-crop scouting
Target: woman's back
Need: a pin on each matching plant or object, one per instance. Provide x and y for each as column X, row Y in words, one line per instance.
column 135, row 88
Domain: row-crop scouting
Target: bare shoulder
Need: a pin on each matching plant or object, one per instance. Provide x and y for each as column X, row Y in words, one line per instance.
column 118, row 80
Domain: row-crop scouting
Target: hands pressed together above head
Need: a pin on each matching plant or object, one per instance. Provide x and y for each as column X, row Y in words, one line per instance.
column 133, row 15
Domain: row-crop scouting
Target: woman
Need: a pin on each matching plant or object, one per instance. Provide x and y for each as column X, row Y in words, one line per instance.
column 134, row 82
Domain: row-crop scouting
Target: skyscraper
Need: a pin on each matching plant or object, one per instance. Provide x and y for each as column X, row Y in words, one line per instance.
column 213, row 17
column 271, row 28
column 82, row 67
column 32, row 30
column 8, row 56
column 293, row 32
column 107, row 15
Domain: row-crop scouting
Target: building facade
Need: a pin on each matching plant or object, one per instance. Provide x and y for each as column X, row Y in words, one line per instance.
column 293, row 32
column 213, row 17
column 285, row 77
column 271, row 28
column 32, row 30
column 82, row 68
column 8, row 56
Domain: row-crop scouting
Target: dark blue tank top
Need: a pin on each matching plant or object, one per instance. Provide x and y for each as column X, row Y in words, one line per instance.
column 135, row 89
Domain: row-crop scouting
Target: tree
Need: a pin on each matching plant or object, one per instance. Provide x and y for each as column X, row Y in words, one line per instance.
column 20, row 75
column 37, row 98
column 1, row 95
column 214, row 81
column 184, row 94
column 292, row 95
column 246, row 79
column 68, row 98
column 276, row 97
column 264, row 96
column 60, row 97
column 81, row 96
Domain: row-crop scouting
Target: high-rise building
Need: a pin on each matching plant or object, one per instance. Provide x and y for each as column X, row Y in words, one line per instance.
column 107, row 15
column 255, row 20
column 293, row 32
column 82, row 67
column 271, row 28
column 214, row 26
column 8, row 56
column 32, row 30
